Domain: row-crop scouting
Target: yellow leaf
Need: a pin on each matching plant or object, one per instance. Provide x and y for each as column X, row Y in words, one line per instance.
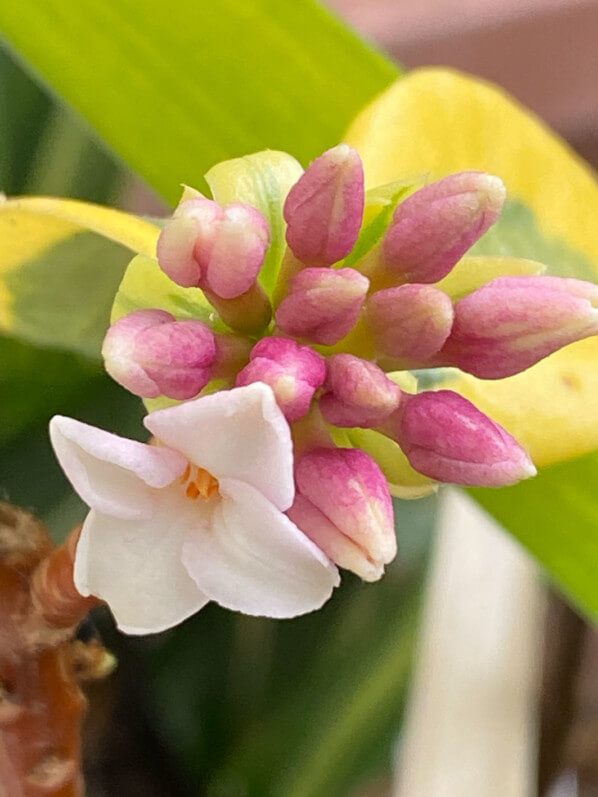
column 471, row 273
column 550, row 408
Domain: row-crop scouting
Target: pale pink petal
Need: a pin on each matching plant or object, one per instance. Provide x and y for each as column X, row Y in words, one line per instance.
column 255, row 560
column 114, row 475
column 240, row 434
column 136, row 567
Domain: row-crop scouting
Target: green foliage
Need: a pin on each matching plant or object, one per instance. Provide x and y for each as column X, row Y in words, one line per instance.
column 62, row 297
column 555, row 516
column 517, row 234
column 174, row 88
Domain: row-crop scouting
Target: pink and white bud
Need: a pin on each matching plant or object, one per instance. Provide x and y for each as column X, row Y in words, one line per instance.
column 293, row 372
column 410, row 322
column 513, row 322
column 448, row 439
column 152, row 354
column 358, row 393
column 343, row 504
column 220, row 249
column 434, row 227
column 324, row 209
column 323, row 304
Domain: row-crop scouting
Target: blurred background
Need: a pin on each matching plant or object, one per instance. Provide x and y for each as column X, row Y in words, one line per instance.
column 338, row 703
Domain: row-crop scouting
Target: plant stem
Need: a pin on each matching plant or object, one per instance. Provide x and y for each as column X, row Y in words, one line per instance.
column 41, row 704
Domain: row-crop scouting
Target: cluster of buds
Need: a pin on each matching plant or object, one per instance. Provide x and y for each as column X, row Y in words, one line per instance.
column 331, row 336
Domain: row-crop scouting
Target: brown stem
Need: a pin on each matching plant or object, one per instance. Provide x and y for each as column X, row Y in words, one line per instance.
column 41, row 704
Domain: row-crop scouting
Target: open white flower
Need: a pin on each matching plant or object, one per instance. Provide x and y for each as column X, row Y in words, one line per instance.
column 198, row 518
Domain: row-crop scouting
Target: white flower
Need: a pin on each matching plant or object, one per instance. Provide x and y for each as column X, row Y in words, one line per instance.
column 197, row 518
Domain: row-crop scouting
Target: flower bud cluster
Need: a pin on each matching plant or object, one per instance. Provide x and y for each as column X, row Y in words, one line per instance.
column 330, row 333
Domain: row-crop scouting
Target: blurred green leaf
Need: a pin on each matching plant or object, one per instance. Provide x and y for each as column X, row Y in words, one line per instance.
column 517, row 234
column 41, row 384
column 175, row 88
column 555, row 516
column 35, row 384
column 62, row 297
column 308, row 707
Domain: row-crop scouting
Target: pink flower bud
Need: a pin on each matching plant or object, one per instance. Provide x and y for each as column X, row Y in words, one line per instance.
column 293, row 372
column 339, row 548
column 151, row 354
column 219, row 249
column 410, row 322
column 513, row 322
column 432, row 229
column 323, row 304
column 324, row 209
column 358, row 393
column 342, row 493
column 448, row 439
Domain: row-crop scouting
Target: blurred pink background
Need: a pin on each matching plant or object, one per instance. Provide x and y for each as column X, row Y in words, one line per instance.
column 544, row 52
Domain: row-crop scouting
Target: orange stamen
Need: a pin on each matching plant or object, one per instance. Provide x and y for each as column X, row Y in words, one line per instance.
column 192, row 491
column 206, row 483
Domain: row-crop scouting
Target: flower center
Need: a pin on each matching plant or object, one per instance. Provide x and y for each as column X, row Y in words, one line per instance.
column 199, row 482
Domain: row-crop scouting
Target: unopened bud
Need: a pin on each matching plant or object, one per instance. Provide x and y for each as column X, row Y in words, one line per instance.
column 324, row 209
column 410, row 322
column 434, row 227
column 323, row 304
column 344, row 505
column 293, row 372
column 358, row 393
column 152, row 354
column 218, row 249
column 448, row 439
column 513, row 322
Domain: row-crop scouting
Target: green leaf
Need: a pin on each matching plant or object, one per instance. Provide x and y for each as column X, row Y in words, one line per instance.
column 60, row 266
column 555, row 516
column 145, row 285
column 175, row 88
column 51, row 300
column 378, row 214
column 35, row 384
column 517, row 234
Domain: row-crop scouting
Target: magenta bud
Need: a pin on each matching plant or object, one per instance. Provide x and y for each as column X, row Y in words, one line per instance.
column 358, row 393
column 434, row 227
column 513, row 322
column 293, row 372
column 410, row 322
column 151, row 354
column 323, row 304
column 344, row 506
column 324, row 209
column 448, row 439
column 219, row 249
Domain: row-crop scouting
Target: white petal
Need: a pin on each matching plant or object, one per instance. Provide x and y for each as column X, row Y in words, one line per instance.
column 114, row 475
column 135, row 566
column 237, row 434
column 255, row 560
